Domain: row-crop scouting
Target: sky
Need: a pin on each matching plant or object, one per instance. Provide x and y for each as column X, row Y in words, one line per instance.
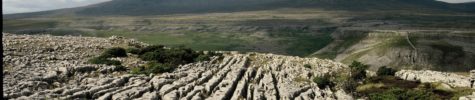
column 21, row 6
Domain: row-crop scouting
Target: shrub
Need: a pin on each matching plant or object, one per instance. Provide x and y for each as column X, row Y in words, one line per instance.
column 154, row 67
column 115, row 52
column 165, row 60
column 324, row 81
column 133, row 50
column 180, row 56
column 120, row 68
column 385, row 71
column 151, row 48
column 202, row 58
column 152, row 56
column 307, row 66
column 358, row 70
column 350, row 86
column 403, row 94
column 103, row 60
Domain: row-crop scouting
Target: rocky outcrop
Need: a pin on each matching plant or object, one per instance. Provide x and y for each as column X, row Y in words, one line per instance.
column 427, row 76
column 45, row 67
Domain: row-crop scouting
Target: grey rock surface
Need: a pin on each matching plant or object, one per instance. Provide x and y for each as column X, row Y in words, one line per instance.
column 54, row 67
column 427, row 76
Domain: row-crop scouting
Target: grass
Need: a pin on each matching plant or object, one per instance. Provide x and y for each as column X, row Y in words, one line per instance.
column 305, row 45
column 354, row 57
column 461, row 92
column 450, row 55
column 345, row 44
column 447, row 48
column 195, row 40
column 289, row 43
column 384, row 84
column 14, row 25
column 326, row 55
column 280, row 40
column 369, row 87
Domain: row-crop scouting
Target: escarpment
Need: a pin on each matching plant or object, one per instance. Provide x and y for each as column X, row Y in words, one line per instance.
column 441, row 50
column 55, row 67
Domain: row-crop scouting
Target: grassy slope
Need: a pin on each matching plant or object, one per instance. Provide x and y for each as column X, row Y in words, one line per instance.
column 314, row 13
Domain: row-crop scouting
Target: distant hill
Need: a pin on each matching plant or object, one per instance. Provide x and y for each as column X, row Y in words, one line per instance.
column 163, row 7
column 375, row 32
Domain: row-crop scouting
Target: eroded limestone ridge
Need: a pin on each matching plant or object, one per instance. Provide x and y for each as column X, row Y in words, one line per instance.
column 427, row 76
column 54, row 67
column 449, row 79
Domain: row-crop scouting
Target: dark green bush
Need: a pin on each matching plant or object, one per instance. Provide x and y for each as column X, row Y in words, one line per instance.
column 115, row 52
column 167, row 59
column 203, row 58
column 180, row 56
column 324, row 81
column 133, row 50
column 121, row 68
column 350, row 86
column 103, row 60
column 385, row 71
column 307, row 66
column 154, row 67
column 403, row 94
column 358, row 70
column 153, row 56
column 175, row 56
column 151, row 48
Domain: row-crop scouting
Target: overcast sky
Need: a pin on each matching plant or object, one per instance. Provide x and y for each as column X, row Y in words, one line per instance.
column 20, row 6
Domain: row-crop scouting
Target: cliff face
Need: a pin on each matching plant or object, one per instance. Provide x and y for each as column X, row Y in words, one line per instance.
column 41, row 67
column 405, row 49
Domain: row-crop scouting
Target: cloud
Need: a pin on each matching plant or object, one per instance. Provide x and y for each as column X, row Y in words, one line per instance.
column 21, row 6
column 457, row 1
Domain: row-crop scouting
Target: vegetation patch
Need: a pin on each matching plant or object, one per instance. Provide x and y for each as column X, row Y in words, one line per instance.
column 385, row 86
column 109, row 53
column 341, row 46
column 160, row 59
column 385, row 71
column 114, row 52
column 104, row 60
column 358, row 70
column 163, row 59
column 307, row 66
column 449, row 49
column 324, row 81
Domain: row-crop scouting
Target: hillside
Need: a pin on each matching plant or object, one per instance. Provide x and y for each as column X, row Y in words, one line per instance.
column 405, row 49
column 341, row 30
column 166, row 7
